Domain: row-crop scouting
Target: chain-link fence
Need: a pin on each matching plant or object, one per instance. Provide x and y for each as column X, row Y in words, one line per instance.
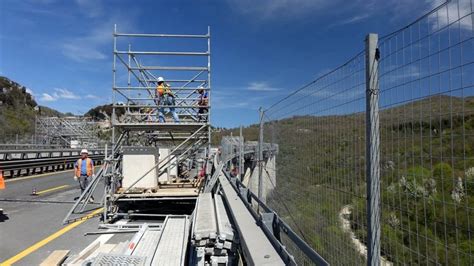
column 417, row 86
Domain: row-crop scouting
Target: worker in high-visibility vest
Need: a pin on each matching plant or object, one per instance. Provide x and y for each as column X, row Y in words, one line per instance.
column 203, row 102
column 84, row 171
column 164, row 96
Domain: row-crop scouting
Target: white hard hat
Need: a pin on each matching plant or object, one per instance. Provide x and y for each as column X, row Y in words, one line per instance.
column 84, row 151
column 160, row 79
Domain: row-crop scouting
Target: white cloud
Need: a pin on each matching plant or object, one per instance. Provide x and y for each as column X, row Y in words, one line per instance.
column 82, row 53
column 91, row 96
column 59, row 94
column 239, row 97
column 65, row 94
column 261, row 86
column 279, row 9
column 351, row 20
column 405, row 74
column 92, row 8
column 250, row 97
column 269, row 10
column 449, row 13
column 45, row 97
column 95, row 44
column 336, row 95
column 88, row 47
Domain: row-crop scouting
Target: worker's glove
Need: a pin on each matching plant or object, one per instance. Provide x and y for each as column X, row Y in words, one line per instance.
column 76, row 178
column 93, row 176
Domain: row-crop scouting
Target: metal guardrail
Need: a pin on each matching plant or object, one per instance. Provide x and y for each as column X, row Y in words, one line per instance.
column 21, row 154
column 31, row 146
column 272, row 224
column 14, row 163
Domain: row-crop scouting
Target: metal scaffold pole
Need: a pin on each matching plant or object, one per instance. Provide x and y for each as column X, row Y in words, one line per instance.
column 209, row 85
column 260, row 156
column 241, row 155
column 372, row 151
column 114, row 70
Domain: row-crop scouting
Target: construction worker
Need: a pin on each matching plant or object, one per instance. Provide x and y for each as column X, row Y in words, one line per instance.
column 84, row 171
column 164, row 96
column 203, row 102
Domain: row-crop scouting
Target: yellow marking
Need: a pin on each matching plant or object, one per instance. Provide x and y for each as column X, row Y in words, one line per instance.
column 40, row 175
column 35, row 176
column 51, row 189
column 48, row 239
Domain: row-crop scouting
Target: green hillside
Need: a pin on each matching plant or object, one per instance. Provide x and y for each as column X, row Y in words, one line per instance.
column 103, row 112
column 17, row 111
column 427, row 179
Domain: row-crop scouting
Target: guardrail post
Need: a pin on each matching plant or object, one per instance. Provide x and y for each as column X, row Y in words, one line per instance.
column 372, row 150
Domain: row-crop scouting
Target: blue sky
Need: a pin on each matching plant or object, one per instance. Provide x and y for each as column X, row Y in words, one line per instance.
column 261, row 50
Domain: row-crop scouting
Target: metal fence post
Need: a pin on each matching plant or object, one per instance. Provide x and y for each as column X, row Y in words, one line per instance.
column 260, row 157
column 372, row 150
column 241, row 154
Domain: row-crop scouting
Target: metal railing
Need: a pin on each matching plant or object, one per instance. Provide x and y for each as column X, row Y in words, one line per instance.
column 14, row 163
column 67, row 131
column 28, row 146
column 191, row 70
column 375, row 160
column 39, row 153
column 278, row 232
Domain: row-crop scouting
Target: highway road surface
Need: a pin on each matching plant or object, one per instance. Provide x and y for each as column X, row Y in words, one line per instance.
column 31, row 226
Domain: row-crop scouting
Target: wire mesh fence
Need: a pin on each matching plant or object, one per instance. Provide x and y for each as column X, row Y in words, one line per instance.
column 320, row 130
column 426, row 75
column 17, row 138
column 426, row 100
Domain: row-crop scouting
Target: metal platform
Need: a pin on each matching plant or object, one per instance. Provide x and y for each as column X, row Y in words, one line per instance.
column 167, row 127
column 147, row 245
column 171, row 249
column 168, row 192
column 112, row 259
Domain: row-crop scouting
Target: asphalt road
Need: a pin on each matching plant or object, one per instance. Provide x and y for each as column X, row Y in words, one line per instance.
column 25, row 224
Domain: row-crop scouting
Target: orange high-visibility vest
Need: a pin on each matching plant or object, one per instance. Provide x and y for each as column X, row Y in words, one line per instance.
column 88, row 167
column 160, row 90
column 163, row 89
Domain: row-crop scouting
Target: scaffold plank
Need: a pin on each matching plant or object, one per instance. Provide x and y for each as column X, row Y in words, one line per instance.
column 171, row 249
column 205, row 226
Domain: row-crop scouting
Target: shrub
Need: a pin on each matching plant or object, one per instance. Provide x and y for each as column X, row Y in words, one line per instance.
column 443, row 173
column 418, row 173
column 442, row 170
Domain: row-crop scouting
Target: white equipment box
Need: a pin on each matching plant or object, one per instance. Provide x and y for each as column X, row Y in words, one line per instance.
column 136, row 162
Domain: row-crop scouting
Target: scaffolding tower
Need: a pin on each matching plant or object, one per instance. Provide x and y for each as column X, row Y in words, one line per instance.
column 137, row 100
column 157, row 159
column 68, row 132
